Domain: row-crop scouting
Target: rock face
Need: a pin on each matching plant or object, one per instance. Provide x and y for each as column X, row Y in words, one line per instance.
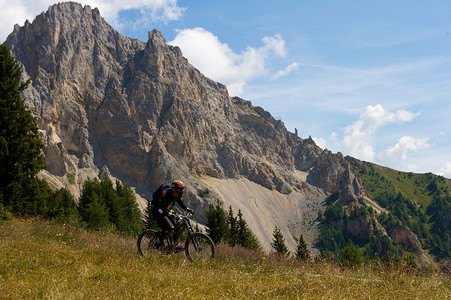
column 110, row 105
column 406, row 237
column 360, row 226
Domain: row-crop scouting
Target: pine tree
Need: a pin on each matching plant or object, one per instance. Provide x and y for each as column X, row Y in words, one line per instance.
column 232, row 222
column 149, row 221
column 62, row 207
column 102, row 206
column 21, row 156
column 246, row 238
column 131, row 215
column 35, row 198
column 302, row 251
column 112, row 203
column 278, row 242
column 216, row 224
column 92, row 208
column 242, row 229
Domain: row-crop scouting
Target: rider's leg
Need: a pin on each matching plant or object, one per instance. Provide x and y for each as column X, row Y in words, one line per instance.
column 166, row 228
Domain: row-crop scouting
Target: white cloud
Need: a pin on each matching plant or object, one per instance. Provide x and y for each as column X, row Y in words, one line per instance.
column 290, row 68
column 359, row 139
column 322, row 143
column 446, row 170
column 217, row 61
column 16, row 12
column 395, row 155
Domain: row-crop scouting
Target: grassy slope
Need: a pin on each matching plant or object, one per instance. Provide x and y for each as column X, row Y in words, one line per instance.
column 413, row 186
column 47, row 260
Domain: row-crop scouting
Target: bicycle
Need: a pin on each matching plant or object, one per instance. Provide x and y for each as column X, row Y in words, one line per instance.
column 198, row 246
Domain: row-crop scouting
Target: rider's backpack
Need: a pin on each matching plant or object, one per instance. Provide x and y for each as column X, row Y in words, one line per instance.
column 159, row 194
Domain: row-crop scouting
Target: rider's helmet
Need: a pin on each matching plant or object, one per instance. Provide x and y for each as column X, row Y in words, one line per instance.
column 178, row 186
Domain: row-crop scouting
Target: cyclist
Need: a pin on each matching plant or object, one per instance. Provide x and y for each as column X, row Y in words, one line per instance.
column 161, row 210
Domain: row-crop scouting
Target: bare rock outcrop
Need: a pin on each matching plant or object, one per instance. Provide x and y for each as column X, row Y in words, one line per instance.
column 404, row 236
column 360, row 226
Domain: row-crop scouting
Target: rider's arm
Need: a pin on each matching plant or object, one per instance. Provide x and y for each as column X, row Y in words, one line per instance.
column 181, row 203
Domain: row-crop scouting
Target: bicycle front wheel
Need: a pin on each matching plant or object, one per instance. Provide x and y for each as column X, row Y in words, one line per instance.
column 146, row 241
column 199, row 247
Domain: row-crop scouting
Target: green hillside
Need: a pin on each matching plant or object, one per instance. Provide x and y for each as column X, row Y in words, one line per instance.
column 422, row 202
column 48, row 260
column 420, row 188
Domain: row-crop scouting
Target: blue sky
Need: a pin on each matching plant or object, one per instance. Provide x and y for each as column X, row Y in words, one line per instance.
column 371, row 79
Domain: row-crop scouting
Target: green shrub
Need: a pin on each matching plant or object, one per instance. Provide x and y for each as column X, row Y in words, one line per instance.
column 351, row 256
column 203, row 193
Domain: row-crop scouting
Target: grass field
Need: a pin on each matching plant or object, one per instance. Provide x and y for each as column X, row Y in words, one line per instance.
column 47, row 260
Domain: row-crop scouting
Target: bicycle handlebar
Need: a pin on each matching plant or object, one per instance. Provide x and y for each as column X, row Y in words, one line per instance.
column 181, row 216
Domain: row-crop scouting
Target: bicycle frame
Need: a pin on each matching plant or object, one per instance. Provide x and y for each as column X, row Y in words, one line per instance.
column 197, row 245
column 185, row 226
column 190, row 230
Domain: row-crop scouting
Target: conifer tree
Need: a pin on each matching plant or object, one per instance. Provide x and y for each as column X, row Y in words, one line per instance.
column 92, row 208
column 278, row 242
column 232, row 222
column 239, row 232
column 21, row 156
column 102, row 206
column 216, row 224
column 246, row 238
column 110, row 199
column 302, row 251
column 35, row 198
column 149, row 221
column 242, row 229
column 62, row 206
column 129, row 208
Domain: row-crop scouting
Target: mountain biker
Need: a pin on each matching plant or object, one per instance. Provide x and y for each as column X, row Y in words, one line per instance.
column 161, row 210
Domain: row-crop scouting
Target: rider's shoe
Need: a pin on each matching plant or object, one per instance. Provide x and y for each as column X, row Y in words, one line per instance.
column 179, row 249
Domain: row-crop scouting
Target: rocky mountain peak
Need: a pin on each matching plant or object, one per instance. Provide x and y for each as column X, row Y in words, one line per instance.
column 156, row 38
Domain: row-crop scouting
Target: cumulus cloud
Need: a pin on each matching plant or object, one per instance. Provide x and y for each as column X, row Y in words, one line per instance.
column 396, row 154
column 16, row 12
column 322, row 143
column 219, row 62
column 359, row 139
column 446, row 170
column 290, row 68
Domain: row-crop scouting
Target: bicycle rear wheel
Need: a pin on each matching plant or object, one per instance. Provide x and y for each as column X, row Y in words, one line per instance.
column 199, row 247
column 147, row 240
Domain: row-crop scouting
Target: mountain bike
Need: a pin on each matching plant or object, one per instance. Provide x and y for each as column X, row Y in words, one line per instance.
column 198, row 246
